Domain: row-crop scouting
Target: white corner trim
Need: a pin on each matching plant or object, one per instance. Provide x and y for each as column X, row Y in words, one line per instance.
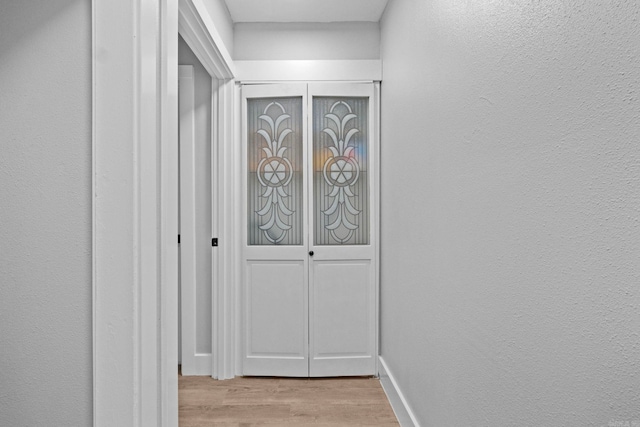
column 223, row 216
column 308, row 70
column 401, row 408
column 197, row 28
column 168, row 375
column 236, row 225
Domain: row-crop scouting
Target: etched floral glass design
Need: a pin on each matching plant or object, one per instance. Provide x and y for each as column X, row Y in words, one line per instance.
column 275, row 193
column 340, row 177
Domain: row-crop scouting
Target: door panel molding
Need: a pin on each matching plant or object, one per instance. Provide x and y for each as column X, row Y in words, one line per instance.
column 278, row 301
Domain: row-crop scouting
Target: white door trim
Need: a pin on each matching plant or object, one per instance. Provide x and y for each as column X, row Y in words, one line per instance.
column 134, row 203
column 168, row 62
column 308, row 70
column 224, row 214
column 197, row 28
column 134, row 97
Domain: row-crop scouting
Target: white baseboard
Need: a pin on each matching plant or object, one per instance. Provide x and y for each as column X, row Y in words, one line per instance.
column 198, row 364
column 403, row 412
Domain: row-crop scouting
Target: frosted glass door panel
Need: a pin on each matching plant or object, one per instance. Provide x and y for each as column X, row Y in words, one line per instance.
column 275, row 167
column 340, row 171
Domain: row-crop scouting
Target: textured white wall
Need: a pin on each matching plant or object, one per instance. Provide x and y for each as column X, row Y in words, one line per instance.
column 337, row 40
column 202, row 82
column 45, row 213
column 222, row 20
column 511, row 210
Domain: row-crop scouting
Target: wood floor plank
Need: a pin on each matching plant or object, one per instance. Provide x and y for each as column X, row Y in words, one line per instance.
column 248, row 402
column 237, row 413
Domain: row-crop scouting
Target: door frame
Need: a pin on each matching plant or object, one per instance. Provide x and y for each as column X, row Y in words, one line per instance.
column 198, row 31
column 134, row 89
column 134, row 199
column 298, row 71
column 287, row 87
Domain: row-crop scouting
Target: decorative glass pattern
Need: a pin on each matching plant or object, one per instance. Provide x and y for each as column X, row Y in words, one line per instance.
column 275, row 193
column 340, row 177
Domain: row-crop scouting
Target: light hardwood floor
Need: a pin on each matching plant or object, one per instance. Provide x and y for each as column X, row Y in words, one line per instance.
column 244, row 402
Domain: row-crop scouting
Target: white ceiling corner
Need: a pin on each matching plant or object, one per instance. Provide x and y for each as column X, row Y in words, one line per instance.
column 306, row 10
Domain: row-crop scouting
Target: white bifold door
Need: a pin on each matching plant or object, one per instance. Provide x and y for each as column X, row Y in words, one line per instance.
column 309, row 292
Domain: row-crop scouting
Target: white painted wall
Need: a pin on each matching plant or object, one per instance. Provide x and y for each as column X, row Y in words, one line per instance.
column 511, row 210
column 202, row 81
column 222, row 20
column 45, row 213
column 336, row 40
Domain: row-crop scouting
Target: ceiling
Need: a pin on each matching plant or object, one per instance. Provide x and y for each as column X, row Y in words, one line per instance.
column 306, row 10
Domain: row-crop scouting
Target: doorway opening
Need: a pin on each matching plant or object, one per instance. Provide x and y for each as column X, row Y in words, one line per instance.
column 195, row 172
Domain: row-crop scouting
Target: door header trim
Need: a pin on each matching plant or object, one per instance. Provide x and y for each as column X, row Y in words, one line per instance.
column 308, row 70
